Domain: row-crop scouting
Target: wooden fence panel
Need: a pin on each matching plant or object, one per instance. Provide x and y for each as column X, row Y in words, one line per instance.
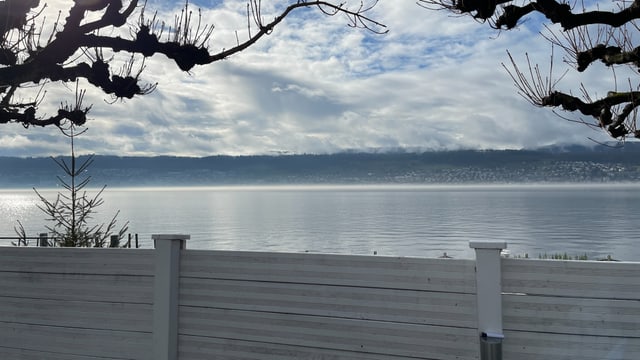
column 77, row 314
column 208, row 348
column 314, row 332
column 75, row 303
column 74, row 341
column 445, row 275
column 579, row 316
column 535, row 346
column 128, row 289
column 588, row 279
column 92, row 261
column 571, row 309
column 330, row 306
column 407, row 306
column 22, row 354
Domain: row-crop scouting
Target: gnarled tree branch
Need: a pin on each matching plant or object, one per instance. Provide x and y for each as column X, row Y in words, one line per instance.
column 58, row 60
column 588, row 37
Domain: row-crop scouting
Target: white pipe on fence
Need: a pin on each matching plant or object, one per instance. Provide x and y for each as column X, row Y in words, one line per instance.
column 489, row 297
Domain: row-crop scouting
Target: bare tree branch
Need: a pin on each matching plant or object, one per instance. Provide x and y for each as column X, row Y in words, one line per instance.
column 589, row 37
column 25, row 59
column 508, row 16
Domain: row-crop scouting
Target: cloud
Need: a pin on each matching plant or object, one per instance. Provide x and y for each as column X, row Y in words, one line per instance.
column 316, row 85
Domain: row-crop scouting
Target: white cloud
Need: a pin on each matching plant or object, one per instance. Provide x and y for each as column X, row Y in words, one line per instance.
column 316, row 85
column 14, row 141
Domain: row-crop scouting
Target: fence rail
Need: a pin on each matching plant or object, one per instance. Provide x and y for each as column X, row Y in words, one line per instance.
column 172, row 303
column 45, row 240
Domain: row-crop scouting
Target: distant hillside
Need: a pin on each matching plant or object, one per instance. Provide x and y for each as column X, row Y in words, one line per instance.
column 575, row 164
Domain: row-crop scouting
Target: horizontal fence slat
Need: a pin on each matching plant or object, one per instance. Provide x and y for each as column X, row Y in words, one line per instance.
column 119, row 288
column 410, row 306
column 591, row 279
column 70, row 313
column 77, row 341
column 348, row 270
column 534, row 346
column 77, row 261
column 578, row 316
column 377, row 337
column 21, row 354
column 206, row 348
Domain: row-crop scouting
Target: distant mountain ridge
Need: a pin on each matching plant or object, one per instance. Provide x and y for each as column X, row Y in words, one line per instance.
column 552, row 164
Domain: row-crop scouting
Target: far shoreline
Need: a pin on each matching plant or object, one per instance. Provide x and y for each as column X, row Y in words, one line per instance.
column 351, row 187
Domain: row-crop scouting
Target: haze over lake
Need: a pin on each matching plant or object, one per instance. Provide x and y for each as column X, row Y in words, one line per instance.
column 398, row 220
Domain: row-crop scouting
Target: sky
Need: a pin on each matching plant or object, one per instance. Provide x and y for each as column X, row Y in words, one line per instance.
column 315, row 85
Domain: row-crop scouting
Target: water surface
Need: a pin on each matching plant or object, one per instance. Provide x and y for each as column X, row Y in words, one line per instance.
column 388, row 219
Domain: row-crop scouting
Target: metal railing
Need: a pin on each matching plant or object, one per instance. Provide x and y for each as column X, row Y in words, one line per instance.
column 44, row 240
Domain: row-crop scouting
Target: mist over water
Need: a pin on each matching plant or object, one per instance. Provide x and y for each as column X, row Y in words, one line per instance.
column 391, row 220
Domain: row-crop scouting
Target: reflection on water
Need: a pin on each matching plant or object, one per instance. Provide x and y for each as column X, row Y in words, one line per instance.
column 391, row 220
column 16, row 206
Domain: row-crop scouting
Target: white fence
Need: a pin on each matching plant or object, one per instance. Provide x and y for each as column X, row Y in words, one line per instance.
column 294, row 306
column 173, row 303
column 72, row 304
column 572, row 309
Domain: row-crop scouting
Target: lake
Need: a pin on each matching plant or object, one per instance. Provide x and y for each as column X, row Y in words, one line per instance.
column 398, row 220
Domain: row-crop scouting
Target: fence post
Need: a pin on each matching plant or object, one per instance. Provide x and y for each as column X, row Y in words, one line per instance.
column 114, row 241
column 43, row 240
column 489, row 297
column 165, row 295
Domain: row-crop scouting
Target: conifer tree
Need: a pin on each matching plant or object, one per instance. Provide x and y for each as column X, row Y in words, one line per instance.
column 73, row 208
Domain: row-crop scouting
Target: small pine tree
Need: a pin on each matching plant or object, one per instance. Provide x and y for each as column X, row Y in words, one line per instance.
column 71, row 211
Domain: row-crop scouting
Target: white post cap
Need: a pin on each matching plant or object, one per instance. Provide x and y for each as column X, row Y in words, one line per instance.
column 170, row 237
column 498, row 245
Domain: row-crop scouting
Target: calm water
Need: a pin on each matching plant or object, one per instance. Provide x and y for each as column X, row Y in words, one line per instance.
column 391, row 220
